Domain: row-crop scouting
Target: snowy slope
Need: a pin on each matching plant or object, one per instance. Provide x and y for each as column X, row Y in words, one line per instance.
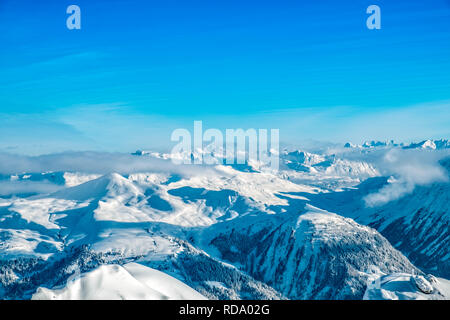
column 131, row 281
column 417, row 224
column 402, row 286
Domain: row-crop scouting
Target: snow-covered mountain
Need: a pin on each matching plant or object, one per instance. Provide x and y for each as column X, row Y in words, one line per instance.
column 228, row 232
column 312, row 254
column 327, row 165
column 131, row 281
column 417, row 223
column 430, row 144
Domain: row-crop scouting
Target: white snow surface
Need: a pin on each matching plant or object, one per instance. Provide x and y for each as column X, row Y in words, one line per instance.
column 131, row 281
column 403, row 286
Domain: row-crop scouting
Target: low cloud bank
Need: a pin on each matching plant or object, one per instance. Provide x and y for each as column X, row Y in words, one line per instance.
column 95, row 163
column 9, row 188
column 407, row 169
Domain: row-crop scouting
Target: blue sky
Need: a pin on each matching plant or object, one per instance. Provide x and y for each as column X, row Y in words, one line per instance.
column 139, row 69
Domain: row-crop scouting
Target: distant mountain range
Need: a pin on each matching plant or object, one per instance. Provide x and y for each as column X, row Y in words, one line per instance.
column 425, row 144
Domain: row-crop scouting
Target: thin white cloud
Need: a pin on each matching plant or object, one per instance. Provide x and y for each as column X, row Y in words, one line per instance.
column 408, row 169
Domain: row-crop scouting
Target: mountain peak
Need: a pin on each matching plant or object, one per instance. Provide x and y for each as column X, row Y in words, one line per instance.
column 111, row 184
